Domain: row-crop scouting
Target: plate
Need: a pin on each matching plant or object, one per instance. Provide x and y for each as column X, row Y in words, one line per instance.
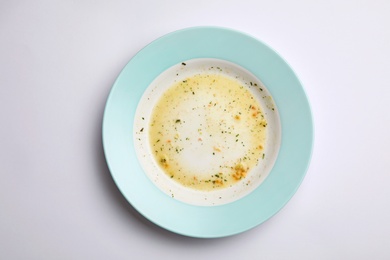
column 121, row 126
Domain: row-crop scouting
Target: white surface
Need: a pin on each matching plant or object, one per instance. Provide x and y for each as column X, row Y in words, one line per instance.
column 58, row 60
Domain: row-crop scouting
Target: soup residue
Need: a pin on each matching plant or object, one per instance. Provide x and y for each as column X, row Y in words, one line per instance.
column 207, row 132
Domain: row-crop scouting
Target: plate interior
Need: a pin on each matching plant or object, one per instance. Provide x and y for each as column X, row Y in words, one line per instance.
column 204, row 152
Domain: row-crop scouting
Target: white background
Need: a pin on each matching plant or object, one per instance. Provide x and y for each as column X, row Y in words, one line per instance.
column 58, row 61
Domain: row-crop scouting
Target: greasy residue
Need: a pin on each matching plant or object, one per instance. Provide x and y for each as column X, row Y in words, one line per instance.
column 208, row 131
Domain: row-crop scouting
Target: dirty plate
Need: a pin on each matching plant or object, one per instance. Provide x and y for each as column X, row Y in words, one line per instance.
column 205, row 139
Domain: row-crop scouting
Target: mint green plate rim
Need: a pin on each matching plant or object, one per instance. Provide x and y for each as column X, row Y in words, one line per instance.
column 287, row 92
